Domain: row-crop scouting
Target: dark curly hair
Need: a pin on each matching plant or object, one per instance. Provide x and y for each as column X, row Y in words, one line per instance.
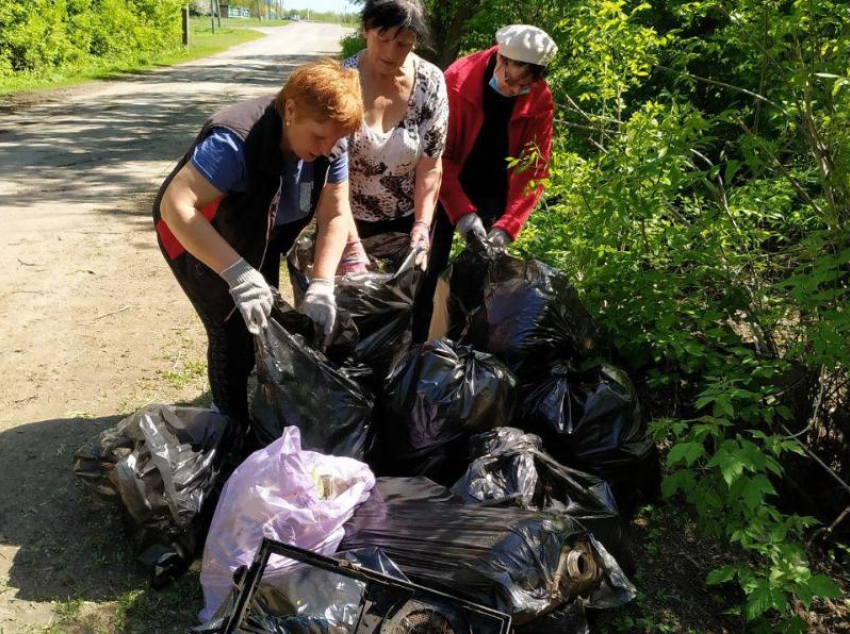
column 391, row 14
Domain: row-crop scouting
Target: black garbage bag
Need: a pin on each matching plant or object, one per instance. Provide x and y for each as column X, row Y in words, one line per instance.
column 300, row 385
column 520, row 562
column 164, row 465
column 380, row 302
column 435, row 399
column 590, row 419
column 530, row 316
column 522, row 311
column 466, row 277
column 510, row 468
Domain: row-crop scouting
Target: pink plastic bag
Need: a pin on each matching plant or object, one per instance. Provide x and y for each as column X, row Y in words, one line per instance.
column 285, row 493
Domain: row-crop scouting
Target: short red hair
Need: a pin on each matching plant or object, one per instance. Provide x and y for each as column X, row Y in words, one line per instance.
column 325, row 91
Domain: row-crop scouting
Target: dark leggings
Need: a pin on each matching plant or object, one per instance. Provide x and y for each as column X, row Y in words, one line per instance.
column 230, row 351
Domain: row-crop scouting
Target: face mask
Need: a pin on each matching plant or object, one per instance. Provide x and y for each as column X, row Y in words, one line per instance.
column 494, row 84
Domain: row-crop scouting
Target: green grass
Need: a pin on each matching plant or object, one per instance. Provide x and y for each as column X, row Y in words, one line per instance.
column 173, row 609
column 201, row 44
column 188, row 372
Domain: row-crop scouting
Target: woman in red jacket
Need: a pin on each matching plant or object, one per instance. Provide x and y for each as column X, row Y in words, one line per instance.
column 500, row 106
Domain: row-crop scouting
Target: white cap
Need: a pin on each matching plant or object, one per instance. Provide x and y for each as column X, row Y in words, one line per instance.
column 524, row 43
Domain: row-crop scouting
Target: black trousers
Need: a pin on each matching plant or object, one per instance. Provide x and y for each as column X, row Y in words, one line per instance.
column 230, row 349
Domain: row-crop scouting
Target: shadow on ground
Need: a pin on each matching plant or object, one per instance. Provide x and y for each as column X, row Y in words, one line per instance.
column 72, row 546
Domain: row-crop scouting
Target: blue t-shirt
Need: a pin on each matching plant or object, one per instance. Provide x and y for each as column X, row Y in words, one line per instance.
column 220, row 158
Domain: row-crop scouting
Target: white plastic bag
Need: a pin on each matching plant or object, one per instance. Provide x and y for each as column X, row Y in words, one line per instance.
column 295, row 496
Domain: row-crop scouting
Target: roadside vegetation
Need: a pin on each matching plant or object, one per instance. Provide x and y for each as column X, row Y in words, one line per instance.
column 47, row 44
column 699, row 197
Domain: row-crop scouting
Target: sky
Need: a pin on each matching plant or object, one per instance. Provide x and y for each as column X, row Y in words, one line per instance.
column 320, row 5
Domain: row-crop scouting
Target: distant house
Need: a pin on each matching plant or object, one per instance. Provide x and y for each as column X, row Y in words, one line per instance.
column 228, row 11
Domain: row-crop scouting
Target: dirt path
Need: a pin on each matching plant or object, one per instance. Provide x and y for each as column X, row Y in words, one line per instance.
column 92, row 324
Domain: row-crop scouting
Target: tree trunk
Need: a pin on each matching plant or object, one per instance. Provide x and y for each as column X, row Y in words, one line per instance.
column 447, row 27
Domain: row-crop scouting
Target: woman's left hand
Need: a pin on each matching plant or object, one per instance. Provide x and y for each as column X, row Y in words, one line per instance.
column 499, row 240
column 420, row 238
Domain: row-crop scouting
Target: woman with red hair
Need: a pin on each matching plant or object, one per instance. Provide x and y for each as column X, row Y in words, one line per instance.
column 251, row 181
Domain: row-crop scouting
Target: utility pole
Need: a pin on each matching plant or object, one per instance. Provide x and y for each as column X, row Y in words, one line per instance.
column 186, row 26
column 212, row 15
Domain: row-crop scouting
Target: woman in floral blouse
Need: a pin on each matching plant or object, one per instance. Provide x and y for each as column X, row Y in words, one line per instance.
column 395, row 157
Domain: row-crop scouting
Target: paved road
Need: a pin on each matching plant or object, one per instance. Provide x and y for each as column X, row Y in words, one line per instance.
column 115, row 139
column 92, row 324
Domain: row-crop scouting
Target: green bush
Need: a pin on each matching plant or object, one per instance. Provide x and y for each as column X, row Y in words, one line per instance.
column 699, row 193
column 40, row 36
column 351, row 44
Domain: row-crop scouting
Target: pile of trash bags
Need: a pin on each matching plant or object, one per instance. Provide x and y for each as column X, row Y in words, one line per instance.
column 584, row 408
column 493, row 463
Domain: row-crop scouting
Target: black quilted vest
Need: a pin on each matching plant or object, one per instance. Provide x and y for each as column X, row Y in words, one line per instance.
column 245, row 219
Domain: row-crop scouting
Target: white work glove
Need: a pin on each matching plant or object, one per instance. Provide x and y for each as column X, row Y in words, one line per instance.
column 498, row 239
column 251, row 294
column 420, row 238
column 320, row 304
column 354, row 259
column 470, row 226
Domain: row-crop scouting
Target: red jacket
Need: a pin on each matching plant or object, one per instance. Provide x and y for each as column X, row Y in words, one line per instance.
column 531, row 122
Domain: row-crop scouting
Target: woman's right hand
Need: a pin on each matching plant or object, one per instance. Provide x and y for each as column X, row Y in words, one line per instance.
column 472, row 228
column 251, row 294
